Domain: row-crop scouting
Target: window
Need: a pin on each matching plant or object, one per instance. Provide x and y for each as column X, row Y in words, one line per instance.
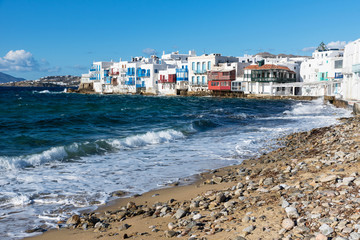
column 155, row 71
column 203, row 66
column 209, row 65
column 193, row 80
column 203, row 78
column 193, row 66
column 197, row 80
column 198, row 66
column 338, row 64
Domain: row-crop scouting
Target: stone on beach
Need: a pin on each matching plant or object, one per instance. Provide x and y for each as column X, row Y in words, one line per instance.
column 74, row 220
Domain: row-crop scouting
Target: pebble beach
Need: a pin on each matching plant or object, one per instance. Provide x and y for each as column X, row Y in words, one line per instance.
column 307, row 189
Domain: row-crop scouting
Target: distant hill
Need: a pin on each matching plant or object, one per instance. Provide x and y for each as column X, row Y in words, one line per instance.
column 49, row 81
column 282, row 55
column 5, row 78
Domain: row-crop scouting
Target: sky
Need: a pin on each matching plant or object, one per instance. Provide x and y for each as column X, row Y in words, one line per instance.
column 63, row 37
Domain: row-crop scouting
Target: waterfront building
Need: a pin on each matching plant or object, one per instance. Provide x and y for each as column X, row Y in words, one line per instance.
column 351, row 71
column 260, row 78
column 322, row 74
column 200, row 65
column 98, row 76
column 222, row 76
column 167, row 82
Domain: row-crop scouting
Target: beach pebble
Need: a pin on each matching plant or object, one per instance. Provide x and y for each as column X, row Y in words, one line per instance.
column 326, row 229
column 179, row 213
column 197, row 216
column 124, row 227
column 248, row 229
column 321, row 237
column 171, row 226
column 74, row 220
column 288, row 224
column 170, row 233
column 291, row 212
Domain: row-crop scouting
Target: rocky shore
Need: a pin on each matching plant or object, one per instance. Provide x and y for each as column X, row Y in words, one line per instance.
column 307, row 189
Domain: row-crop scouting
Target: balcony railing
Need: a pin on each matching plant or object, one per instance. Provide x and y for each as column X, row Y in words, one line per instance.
column 202, row 71
column 221, row 78
column 272, row 79
column 339, row 76
column 92, row 78
column 356, row 68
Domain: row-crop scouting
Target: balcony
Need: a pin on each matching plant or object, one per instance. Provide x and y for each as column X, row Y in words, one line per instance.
column 92, row 78
column 272, row 79
column 221, row 78
column 339, row 76
column 203, row 71
column 114, row 72
column 356, row 68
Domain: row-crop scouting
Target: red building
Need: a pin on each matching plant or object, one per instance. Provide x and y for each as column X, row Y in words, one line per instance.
column 221, row 80
column 171, row 78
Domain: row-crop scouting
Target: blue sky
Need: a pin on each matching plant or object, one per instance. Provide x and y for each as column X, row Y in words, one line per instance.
column 49, row 37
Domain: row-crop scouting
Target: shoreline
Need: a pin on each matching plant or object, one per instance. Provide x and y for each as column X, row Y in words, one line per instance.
column 138, row 212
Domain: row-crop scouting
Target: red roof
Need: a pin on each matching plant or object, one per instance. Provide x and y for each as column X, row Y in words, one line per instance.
column 266, row 66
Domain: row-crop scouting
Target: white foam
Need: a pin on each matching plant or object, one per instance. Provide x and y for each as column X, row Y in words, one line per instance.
column 54, row 153
column 21, row 200
column 148, row 138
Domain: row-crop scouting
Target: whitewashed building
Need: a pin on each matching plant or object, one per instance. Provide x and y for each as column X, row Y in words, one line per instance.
column 351, row 71
column 200, row 65
column 322, row 74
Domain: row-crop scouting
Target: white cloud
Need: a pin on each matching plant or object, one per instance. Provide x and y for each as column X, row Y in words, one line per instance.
column 308, row 49
column 333, row 44
column 149, row 51
column 21, row 60
column 336, row 44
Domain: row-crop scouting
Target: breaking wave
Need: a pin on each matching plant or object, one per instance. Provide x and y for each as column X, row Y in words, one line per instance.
column 77, row 150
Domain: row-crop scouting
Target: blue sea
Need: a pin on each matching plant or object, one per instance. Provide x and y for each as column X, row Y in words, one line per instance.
column 61, row 153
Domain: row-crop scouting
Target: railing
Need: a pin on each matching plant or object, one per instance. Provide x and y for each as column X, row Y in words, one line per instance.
column 93, row 69
column 272, row 79
column 200, row 71
column 129, row 82
column 221, row 78
column 114, row 72
column 339, row 75
column 92, row 78
column 140, row 85
column 356, row 68
column 182, row 79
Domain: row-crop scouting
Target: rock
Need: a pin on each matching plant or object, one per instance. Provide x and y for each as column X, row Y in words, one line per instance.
column 291, row 212
column 354, row 236
column 248, row 229
column 217, row 180
column 130, row 205
column 229, row 204
column 268, row 181
column 179, row 213
column 285, row 204
column 347, row 180
column 118, row 193
column 220, row 198
column 73, row 220
column 326, row 229
column 287, row 223
column 321, row 237
column 197, row 216
column 301, row 230
column 170, row 233
column 340, row 238
column 171, row 226
column 330, row 178
column 246, row 219
column 124, row 227
column 239, row 238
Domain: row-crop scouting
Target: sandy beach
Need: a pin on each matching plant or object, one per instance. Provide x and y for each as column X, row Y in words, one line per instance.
column 307, row 189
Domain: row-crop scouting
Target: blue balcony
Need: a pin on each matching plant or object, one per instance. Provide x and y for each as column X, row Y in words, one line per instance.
column 182, row 74
column 339, row 76
column 129, row 82
column 93, row 78
column 130, row 72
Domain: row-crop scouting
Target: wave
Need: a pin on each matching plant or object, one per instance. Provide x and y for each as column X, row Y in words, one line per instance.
column 77, row 150
column 49, row 92
column 204, row 124
column 307, row 108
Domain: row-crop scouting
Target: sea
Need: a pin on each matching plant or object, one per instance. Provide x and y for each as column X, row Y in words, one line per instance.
column 63, row 153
